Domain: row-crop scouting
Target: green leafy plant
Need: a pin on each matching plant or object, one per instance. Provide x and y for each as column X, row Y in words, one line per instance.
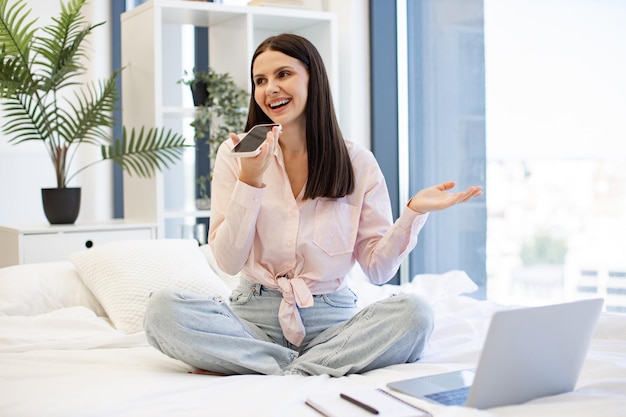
column 544, row 250
column 223, row 110
column 44, row 100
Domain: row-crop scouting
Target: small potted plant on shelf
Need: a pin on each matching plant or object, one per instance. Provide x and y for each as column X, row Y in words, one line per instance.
column 221, row 108
column 44, row 101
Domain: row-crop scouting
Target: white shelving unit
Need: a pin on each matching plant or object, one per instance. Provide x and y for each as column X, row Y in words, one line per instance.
column 156, row 49
column 48, row 243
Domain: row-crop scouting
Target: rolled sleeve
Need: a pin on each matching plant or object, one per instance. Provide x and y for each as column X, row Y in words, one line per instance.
column 234, row 213
column 244, row 209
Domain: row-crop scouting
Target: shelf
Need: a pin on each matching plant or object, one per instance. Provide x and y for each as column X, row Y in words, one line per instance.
column 207, row 14
column 157, row 50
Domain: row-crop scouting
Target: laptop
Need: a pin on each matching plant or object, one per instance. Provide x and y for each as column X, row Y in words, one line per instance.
column 528, row 353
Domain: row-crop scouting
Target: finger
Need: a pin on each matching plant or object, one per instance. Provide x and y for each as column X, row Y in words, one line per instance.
column 469, row 194
column 276, row 130
column 446, row 186
column 475, row 191
column 465, row 197
column 270, row 142
column 234, row 138
column 460, row 198
column 275, row 135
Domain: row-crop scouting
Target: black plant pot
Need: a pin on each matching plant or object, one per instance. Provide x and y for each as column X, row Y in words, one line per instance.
column 61, row 205
column 199, row 93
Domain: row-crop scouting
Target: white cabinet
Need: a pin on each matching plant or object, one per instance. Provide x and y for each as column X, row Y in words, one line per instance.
column 49, row 243
column 157, row 49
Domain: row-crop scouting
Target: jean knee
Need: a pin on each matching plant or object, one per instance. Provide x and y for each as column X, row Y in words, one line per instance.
column 160, row 308
column 420, row 312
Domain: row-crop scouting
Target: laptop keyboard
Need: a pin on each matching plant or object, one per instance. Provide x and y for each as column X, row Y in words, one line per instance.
column 456, row 396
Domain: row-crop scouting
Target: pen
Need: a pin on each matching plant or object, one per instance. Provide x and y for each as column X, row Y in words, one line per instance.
column 359, row 403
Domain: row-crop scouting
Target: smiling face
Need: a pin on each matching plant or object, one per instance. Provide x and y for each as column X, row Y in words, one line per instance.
column 281, row 88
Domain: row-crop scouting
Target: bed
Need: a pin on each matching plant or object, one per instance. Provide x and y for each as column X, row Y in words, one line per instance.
column 71, row 344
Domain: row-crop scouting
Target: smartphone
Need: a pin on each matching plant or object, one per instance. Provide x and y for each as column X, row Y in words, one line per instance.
column 250, row 143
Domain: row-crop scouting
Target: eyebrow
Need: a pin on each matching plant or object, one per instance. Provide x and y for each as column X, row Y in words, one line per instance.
column 279, row 69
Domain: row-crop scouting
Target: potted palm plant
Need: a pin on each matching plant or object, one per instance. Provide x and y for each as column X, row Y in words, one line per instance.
column 221, row 108
column 44, row 101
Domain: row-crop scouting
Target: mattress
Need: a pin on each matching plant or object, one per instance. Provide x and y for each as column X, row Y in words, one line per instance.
column 62, row 355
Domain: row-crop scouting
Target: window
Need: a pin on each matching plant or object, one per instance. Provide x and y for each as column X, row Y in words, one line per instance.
column 525, row 97
column 556, row 173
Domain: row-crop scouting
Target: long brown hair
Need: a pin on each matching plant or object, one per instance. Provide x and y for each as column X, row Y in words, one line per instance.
column 330, row 169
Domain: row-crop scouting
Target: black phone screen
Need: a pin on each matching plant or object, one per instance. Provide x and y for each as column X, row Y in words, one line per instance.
column 253, row 139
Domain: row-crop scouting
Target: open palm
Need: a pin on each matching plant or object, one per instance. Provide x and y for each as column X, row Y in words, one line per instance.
column 437, row 197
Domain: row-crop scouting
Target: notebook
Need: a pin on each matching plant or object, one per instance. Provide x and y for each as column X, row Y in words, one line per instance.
column 528, row 353
column 363, row 402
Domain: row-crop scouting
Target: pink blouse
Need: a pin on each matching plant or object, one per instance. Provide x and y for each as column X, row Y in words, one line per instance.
column 305, row 247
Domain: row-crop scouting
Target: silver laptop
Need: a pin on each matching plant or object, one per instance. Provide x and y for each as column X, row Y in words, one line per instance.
column 529, row 353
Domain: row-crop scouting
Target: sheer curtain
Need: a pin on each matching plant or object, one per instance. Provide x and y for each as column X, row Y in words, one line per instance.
column 446, row 129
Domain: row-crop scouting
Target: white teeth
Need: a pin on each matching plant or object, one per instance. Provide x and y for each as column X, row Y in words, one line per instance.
column 279, row 103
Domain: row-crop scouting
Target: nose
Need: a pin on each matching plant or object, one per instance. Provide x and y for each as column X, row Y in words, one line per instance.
column 272, row 87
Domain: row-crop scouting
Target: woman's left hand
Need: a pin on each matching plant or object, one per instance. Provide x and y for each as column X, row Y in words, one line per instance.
column 437, row 198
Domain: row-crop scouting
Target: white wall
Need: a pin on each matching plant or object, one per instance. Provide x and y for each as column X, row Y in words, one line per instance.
column 354, row 70
column 26, row 168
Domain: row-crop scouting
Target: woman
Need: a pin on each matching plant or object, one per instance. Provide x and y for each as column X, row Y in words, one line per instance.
column 293, row 220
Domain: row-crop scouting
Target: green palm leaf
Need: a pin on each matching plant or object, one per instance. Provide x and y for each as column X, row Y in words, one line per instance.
column 34, row 73
column 62, row 50
column 16, row 34
column 144, row 152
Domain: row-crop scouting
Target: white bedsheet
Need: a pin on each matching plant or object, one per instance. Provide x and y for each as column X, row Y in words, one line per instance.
column 70, row 362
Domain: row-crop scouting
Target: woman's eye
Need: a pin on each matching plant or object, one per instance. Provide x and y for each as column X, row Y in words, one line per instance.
column 283, row 74
column 259, row 81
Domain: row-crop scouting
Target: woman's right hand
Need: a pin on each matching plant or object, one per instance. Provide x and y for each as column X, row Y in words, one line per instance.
column 252, row 169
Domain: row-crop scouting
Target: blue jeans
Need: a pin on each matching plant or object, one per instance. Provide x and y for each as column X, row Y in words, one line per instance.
column 245, row 337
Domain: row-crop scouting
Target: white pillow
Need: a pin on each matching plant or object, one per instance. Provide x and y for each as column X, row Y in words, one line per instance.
column 32, row 289
column 122, row 275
